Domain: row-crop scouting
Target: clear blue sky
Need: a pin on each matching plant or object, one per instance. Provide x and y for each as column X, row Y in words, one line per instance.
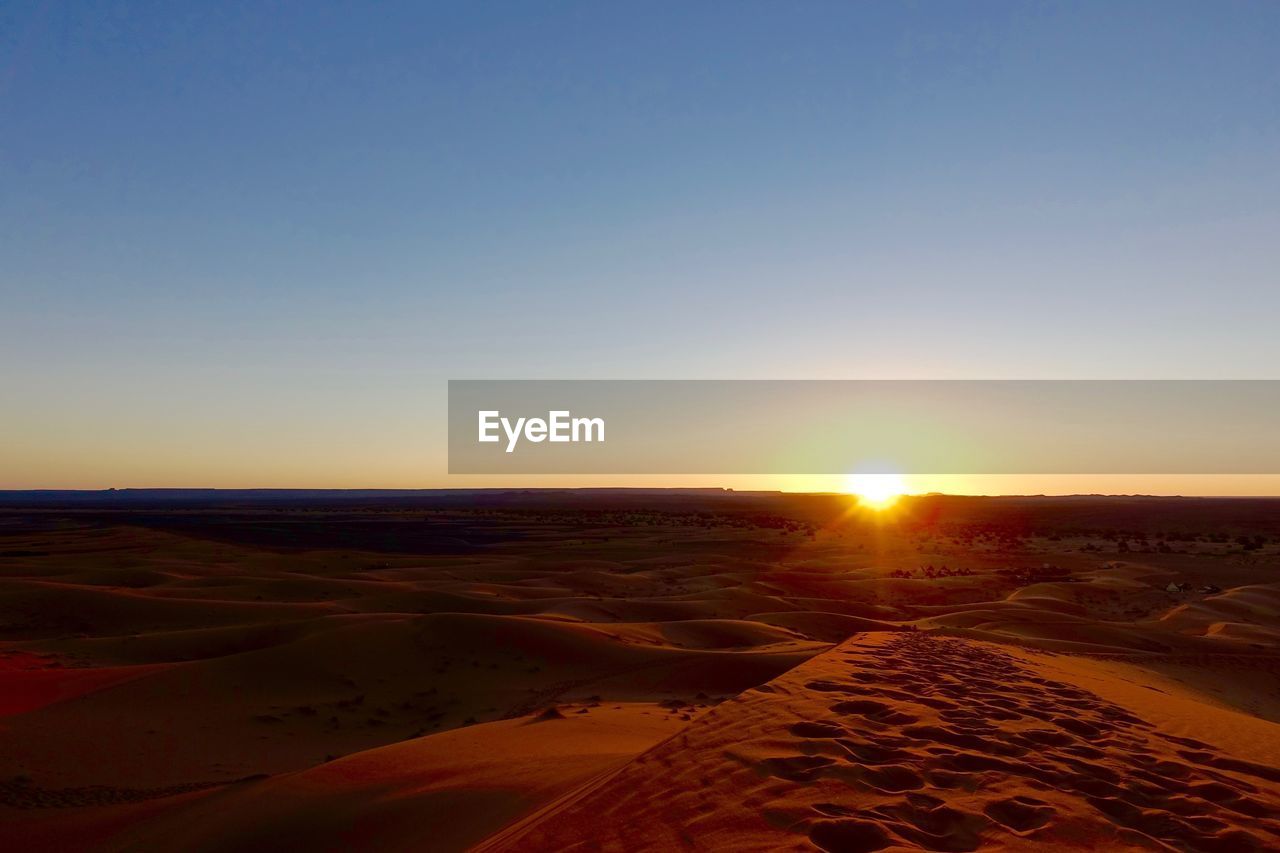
column 245, row 244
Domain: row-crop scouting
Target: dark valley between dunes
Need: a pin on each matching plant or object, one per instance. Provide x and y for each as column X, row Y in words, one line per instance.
column 637, row 670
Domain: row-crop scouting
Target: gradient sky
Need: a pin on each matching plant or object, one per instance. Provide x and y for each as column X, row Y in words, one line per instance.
column 245, row 245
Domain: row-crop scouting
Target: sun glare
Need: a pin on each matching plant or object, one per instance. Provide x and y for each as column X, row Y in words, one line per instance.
column 876, row 491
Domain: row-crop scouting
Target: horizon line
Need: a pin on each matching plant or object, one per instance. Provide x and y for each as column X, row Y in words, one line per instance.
column 527, row 489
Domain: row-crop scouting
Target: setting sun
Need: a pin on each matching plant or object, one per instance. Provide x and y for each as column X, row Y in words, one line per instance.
column 876, row 491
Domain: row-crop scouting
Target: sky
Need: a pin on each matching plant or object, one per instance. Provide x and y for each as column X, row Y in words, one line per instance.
column 247, row 244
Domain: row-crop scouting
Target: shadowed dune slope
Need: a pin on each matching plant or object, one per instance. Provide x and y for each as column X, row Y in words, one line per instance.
column 362, row 681
column 440, row 792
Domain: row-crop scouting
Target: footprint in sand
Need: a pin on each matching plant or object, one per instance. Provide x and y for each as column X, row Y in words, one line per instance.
column 1020, row 814
column 816, row 730
column 876, row 711
column 849, row 836
column 1181, row 792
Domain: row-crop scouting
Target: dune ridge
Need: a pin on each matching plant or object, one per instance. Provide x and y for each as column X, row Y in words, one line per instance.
column 913, row 741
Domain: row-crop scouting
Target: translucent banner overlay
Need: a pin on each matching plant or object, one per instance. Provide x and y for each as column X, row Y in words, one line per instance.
column 870, row 426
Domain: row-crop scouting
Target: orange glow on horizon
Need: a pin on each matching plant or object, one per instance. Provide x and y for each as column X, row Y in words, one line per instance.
column 876, row 491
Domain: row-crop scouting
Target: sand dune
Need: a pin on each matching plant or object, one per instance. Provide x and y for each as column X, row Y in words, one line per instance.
column 627, row 679
column 1251, row 613
column 356, row 682
column 444, row 791
column 908, row 740
column 829, row 627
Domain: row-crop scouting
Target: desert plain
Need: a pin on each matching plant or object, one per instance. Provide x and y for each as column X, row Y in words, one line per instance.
column 637, row 670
